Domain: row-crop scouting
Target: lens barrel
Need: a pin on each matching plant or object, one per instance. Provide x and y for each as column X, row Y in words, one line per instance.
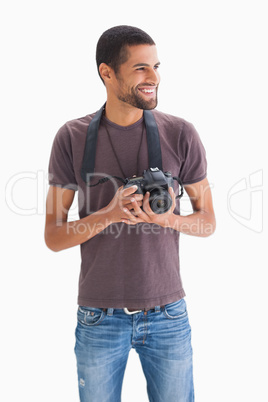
column 160, row 201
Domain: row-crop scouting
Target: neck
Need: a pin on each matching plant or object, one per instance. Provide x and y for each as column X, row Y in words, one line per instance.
column 122, row 113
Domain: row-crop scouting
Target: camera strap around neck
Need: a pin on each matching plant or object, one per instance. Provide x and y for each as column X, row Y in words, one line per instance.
column 153, row 141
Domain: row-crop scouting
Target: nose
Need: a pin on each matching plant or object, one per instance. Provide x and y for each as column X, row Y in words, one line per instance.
column 153, row 76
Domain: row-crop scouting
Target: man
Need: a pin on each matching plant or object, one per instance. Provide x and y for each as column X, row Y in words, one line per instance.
column 130, row 290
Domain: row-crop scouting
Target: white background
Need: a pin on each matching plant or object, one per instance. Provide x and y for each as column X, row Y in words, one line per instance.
column 214, row 73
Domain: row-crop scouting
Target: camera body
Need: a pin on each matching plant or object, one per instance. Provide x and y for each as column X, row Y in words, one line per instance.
column 157, row 183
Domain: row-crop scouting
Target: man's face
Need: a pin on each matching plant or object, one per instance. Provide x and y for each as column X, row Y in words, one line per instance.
column 138, row 78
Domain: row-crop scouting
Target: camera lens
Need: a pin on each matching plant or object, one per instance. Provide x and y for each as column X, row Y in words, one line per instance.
column 161, row 204
column 160, row 201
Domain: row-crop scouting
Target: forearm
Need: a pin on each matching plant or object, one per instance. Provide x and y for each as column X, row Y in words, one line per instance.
column 199, row 223
column 64, row 235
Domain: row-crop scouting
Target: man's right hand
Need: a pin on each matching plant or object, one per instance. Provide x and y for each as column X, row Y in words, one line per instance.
column 61, row 234
column 118, row 209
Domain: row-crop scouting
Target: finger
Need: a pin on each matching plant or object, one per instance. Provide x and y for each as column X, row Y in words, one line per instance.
column 171, row 192
column 131, row 222
column 125, row 199
column 135, row 207
column 127, row 222
column 139, row 212
column 129, row 190
column 130, row 206
column 173, row 197
column 129, row 216
column 138, row 197
column 146, row 204
column 127, row 194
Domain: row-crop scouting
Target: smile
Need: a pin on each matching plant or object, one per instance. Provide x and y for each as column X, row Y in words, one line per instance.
column 148, row 91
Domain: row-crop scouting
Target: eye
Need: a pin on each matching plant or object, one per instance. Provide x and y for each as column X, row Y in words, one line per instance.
column 140, row 69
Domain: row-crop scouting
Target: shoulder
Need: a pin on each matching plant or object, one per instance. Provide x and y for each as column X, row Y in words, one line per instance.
column 77, row 125
column 74, row 130
column 175, row 125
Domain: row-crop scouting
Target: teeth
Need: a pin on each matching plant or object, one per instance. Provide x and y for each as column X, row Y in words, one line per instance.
column 148, row 91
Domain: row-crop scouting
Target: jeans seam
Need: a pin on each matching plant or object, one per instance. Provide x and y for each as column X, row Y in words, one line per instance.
column 94, row 324
column 145, row 328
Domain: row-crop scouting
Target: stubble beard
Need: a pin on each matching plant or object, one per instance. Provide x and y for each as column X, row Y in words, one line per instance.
column 134, row 98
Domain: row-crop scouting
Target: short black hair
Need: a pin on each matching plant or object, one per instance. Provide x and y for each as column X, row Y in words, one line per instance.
column 111, row 46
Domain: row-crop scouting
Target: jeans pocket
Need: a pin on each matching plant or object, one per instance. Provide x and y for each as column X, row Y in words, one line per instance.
column 176, row 310
column 90, row 316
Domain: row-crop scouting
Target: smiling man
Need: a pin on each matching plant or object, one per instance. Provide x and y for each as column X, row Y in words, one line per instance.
column 130, row 288
column 133, row 86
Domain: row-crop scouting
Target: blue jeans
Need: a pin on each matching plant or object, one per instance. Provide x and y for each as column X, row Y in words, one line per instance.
column 161, row 337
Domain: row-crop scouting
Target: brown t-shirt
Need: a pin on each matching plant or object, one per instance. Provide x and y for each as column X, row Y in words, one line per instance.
column 127, row 266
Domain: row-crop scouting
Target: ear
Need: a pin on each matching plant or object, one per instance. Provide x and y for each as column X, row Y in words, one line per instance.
column 105, row 72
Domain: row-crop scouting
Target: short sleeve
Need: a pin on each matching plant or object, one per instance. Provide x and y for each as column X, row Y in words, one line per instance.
column 194, row 165
column 61, row 170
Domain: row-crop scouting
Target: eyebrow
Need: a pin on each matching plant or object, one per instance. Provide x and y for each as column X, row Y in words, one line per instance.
column 145, row 64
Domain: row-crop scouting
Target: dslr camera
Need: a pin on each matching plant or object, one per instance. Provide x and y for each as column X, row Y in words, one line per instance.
column 157, row 183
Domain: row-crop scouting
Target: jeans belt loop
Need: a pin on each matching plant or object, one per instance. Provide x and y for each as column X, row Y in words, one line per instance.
column 110, row 311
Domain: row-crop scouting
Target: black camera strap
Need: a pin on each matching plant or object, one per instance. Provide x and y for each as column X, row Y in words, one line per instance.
column 154, row 148
column 88, row 164
column 153, row 142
